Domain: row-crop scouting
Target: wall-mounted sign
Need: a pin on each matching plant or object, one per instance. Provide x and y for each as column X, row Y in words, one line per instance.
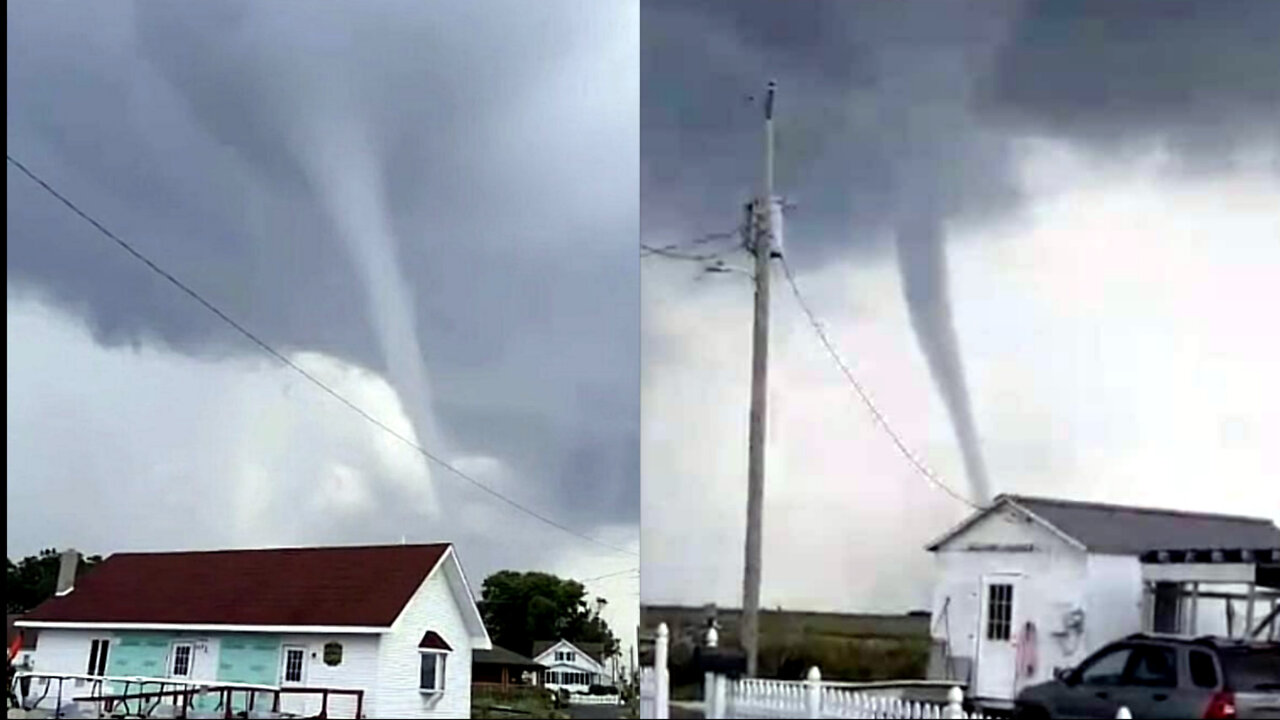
column 996, row 547
column 333, row 653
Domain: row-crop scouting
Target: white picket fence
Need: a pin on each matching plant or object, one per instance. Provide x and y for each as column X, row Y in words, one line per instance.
column 811, row 698
column 753, row 698
column 655, row 682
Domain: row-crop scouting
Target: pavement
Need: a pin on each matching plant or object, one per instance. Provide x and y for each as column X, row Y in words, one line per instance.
column 597, row 711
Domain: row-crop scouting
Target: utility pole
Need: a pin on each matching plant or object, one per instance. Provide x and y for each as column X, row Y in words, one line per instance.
column 762, row 234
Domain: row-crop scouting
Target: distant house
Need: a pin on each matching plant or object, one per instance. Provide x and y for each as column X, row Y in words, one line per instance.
column 572, row 666
column 398, row 622
column 1029, row 585
column 502, row 667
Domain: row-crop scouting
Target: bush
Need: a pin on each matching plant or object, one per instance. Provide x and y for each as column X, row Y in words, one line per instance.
column 602, row 690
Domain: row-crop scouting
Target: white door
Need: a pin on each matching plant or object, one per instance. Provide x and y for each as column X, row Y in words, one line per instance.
column 997, row 661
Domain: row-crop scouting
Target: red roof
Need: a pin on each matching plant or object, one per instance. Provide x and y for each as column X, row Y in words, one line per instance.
column 432, row 641
column 343, row 586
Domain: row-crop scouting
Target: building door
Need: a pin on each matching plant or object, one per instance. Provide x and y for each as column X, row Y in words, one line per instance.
column 997, row 661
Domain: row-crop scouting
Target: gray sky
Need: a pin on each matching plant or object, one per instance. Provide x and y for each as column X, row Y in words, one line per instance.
column 332, row 175
column 1108, row 175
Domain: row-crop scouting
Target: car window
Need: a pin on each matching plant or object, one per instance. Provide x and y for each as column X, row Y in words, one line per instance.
column 1204, row 673
column 1154, row 666
column 1249, row 669
column 1107, row 668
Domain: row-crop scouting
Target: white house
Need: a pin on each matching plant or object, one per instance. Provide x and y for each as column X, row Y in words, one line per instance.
column 574, row 667
column 397, row 622
column 1030, row 585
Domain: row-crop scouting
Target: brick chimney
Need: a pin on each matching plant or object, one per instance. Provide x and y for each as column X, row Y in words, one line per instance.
column 70, row 563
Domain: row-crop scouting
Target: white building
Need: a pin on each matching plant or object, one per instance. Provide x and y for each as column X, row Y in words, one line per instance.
column 397, row 622
column 572, row 667
column 1030, row 585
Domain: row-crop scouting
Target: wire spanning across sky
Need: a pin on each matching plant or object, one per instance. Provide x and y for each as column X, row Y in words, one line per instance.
column 865, row 397
column 269, row 350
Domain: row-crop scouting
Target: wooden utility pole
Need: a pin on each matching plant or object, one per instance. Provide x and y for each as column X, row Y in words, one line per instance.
column 764, row 246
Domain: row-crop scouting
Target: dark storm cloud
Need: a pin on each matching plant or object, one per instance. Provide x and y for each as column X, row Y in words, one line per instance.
column 505, row 136
column 1199, row 76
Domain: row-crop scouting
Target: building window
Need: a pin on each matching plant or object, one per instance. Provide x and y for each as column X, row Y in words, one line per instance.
column 98, row 657
column 294, row 658
column 999, row 611
column 180, row 661
column 431, row 675
column 1166, row 613
column 566, row 656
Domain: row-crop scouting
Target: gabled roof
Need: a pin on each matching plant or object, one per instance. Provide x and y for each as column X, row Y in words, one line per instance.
column 432, row 641
column 1127, row 530
column 502, row 656
column 329, row 587
column 595, row 651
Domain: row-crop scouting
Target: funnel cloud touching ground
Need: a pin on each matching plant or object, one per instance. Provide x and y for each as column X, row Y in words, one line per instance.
column 1016, row 167
column 293, row 161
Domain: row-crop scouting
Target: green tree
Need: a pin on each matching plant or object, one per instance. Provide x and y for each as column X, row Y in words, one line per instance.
column 520, row 608
column 34, row 579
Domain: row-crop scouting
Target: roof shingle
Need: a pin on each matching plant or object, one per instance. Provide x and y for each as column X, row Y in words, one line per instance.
column 1119, row 529
column 336, row 586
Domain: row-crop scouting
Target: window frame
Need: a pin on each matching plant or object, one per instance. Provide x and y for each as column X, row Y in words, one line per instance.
column 442, row 657
column 999, row 612
column 285, row 650
column 173, row 659
column 99, row 651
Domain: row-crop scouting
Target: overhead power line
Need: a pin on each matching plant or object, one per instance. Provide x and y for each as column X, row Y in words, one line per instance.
column 879, row 417
column 631, row 571
column 268, row 349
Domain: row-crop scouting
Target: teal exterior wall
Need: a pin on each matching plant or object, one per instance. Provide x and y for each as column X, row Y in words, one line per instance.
column 249, row 658
column 140, row 654
column 241, row 657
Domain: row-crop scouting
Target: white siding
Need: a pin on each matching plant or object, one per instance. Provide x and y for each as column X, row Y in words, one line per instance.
column 583, row 663
column 357, row 671
column 433, row 607
column 62, row 651
column 1054, row 582
column 1114, row 600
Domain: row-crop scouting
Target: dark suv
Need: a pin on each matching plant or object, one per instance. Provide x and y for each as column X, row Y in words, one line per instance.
column 1158, row 676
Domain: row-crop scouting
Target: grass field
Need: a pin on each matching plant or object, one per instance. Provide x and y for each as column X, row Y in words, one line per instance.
column 513, row 702
column 843, row 647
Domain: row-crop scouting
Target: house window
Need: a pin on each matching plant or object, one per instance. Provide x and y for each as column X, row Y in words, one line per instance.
column 180, row 661
column 294, row 658
column 567, row 656
column 98, row 657
column 999, row 611
column 431, row 671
